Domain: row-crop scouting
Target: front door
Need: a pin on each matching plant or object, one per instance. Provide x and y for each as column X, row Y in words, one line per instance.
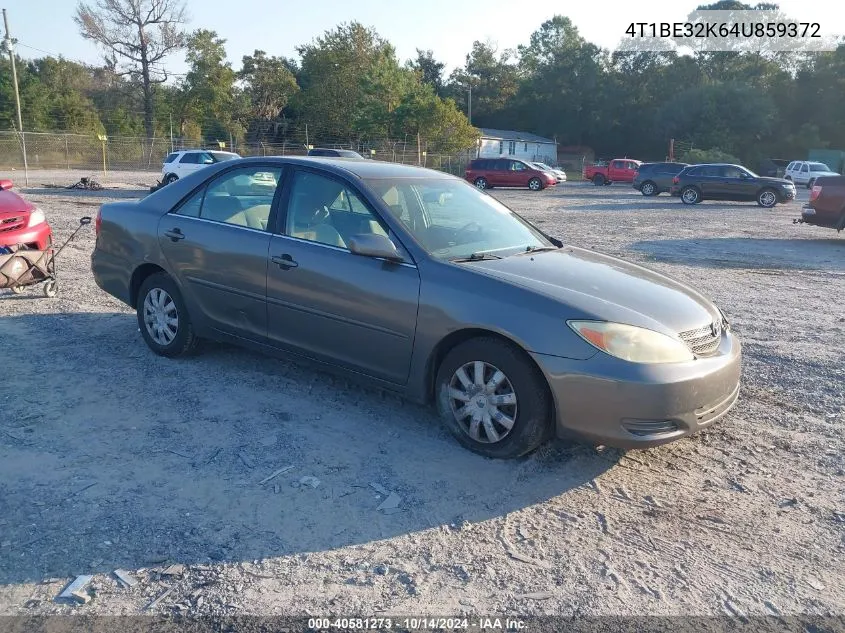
column 217, row 243
column 325, row 302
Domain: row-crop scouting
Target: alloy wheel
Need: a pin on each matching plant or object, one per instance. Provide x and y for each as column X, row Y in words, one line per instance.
column 483, row 401
column 767, row 199
column 690, row 196
column 160, row 316
column 648, row 189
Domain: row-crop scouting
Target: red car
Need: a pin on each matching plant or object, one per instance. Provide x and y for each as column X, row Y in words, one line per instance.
column 21, row 222
column 486, row 173
column 827, row 203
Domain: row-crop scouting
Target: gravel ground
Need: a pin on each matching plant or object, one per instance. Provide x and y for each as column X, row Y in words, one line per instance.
column 111, row 457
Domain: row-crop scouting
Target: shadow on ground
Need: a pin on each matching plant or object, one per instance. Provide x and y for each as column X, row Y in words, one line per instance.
column 731, row 252
column 85, row 193
column 113, row 457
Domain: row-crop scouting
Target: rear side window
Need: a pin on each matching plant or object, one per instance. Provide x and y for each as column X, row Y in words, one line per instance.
column 189, row 159
column 790, row 166
column 672, row 168
column 501, row 165
column 171, row 157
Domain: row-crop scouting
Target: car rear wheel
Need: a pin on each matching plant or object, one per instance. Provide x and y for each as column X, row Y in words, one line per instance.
column 535, row 184
column 163, row 318
column 481, row 183
column 648, row 188
column 170, row 178
column 767, row 198
column 690, row 195
column 493, row 399
column 598, row 180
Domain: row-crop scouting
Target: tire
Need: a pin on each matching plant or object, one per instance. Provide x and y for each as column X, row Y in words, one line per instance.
column 530, row 416
column 598, row 180
column 170, row 178
column 789, row 178
column 175, row 341
column 51, row 288
column 810, row 183
column 767, row 198
column 481, row 183
column 648, row 188
column 17, row 289
column 535, row 184
column 690, row 195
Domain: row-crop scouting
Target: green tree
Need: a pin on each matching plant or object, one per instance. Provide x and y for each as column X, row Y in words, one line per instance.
column 430, row 70
column 331, row 73
column 206, row 94
column 493, row 79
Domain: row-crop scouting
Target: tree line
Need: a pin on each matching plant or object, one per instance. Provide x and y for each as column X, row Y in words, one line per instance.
column 349, row 85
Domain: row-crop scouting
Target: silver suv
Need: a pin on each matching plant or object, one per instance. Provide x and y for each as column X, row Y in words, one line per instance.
column 179, row 164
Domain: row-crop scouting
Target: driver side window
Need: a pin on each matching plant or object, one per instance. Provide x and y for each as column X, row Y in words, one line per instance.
column 326, row 211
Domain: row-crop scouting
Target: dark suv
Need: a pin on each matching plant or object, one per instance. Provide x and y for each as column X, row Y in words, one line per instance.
column 653, row 179
column 721, row 181
column 486, row 173
column 335, row 153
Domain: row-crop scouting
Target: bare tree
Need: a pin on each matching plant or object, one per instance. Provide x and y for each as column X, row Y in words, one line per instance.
column 136, row 36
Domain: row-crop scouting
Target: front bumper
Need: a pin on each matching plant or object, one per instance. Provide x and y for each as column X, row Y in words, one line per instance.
column 611, row 402
column 39, row 236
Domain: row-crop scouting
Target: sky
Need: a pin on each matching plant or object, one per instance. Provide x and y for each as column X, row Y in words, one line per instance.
column 448, row 27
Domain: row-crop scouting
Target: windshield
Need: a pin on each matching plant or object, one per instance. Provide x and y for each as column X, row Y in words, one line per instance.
column 819, row 167
column 221, row 156
column 543, row 166
column 451, row 219
column 749, row 172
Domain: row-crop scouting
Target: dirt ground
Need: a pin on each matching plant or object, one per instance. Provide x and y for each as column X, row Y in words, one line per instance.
column 112, row 458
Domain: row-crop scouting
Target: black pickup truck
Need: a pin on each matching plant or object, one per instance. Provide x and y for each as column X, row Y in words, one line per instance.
column 827, row 204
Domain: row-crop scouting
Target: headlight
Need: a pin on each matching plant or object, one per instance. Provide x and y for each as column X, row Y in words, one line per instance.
column 36, row 217
column 634, row 344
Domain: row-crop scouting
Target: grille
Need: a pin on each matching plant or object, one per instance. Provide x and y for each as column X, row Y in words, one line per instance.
column 11, row 224
column 703, row 341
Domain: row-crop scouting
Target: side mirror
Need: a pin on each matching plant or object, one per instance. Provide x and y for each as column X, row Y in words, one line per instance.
column 374, row 245
column 5, row 184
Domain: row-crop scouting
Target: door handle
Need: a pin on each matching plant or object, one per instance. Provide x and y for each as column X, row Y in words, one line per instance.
column 285, row 262
column 175, row 235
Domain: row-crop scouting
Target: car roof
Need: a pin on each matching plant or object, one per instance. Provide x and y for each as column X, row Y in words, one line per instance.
column 363, row 169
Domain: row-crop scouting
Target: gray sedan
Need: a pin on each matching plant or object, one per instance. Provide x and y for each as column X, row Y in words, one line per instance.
column 416, row 282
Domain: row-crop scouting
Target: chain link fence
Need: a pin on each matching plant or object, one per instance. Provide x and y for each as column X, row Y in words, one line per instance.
column 46, row 150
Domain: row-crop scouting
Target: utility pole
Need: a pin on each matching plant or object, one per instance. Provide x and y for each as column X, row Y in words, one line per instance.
column 171, row 131
column 469, row 106
column 9, row 44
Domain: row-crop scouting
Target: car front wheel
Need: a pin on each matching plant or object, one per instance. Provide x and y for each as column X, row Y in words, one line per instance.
column 493, row 399
column 690, row 195
column 481, row 183
column 767, row 198
column 648, row 188
column 163, row 318
column 535, row 184
column 170, row 178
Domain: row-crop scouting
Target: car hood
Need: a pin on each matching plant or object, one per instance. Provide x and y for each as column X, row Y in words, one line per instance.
column 12, row 204
column 824, row 173
column 767, row 180
column 596, row 286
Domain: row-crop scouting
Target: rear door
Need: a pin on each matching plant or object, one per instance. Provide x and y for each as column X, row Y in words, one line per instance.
column 328, row 304
column 708, row 179
column 216, row 242
column 803, row 175
column 499, row 172
column 615, row 169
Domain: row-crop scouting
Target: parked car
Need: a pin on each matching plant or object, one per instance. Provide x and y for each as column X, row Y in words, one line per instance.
column 652, row 179
column 179, row 164
column 559, row 174
column 721, row 181
column 334, row 153
column 617, row 170
column 21, row 222
column 486, row 173
column 420, row 284
column 803, row 172
column 827, row 203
